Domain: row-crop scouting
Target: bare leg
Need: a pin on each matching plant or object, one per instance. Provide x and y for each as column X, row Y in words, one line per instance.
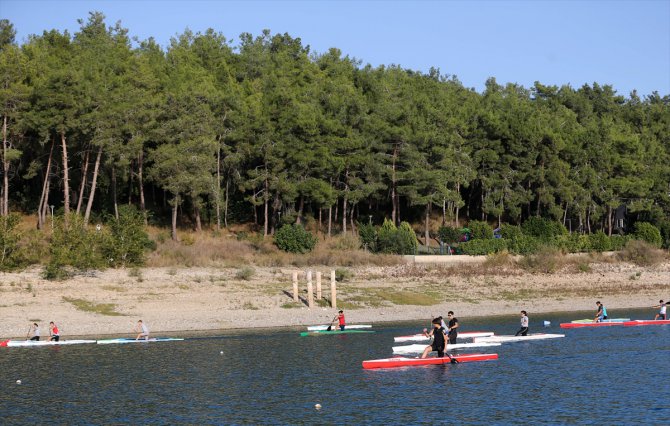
column 426, row 351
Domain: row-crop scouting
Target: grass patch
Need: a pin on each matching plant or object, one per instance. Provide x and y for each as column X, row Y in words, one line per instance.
column 403, row 297
column 116, row 288
column 96, row 308
column 249, row 306
column 641, row 253
column 291, row 305
column 183, row 287
column 245, row 273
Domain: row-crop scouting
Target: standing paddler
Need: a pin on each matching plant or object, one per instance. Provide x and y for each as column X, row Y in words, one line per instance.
column 524, row 324
column 661, row 315
column 452, row 327
column 439, row 335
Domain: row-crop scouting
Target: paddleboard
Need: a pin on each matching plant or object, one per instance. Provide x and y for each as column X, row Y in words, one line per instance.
column 325, row 333
column 586, row 321
column 152, row 340
column 504, row 339
column 418, row 348
column 414, row 362
column 30, row 343
column 645, row 322
column 590, row 324
column 349, row 327
column 421, row 337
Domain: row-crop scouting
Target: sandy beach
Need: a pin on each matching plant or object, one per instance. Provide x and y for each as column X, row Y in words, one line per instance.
column 187, row 299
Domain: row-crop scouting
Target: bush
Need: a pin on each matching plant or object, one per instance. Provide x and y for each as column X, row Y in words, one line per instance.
column 543, row 229
column 523, row 244
column 448, row 234
column 600, row 242
column 406, row 239
column 73, row 246
column 128, row 240
column 483, row 247
column 618, row 242
column 510, row 232
column 547, row 260
column 386, row 237
column 9, row 242
column 245, row 273
column 572, row 243
column 294, row 239
column 664, row 228
column 641, row 253
column 480, row 230
column 645, row 231
column 368, row 236
column 342, row 274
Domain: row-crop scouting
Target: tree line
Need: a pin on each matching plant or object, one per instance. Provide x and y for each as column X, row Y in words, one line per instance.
column 264, row 131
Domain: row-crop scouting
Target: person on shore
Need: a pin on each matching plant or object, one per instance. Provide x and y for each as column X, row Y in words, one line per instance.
column 601, row 315
column 452, row 327
column 142, row 330
column 53, row 332
column 341, row 321
column 439, row 335
column 523, row 331
column 661, row 315
column 35, row 329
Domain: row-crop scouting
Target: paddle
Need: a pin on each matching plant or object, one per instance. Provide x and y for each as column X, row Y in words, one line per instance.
column 330, row 327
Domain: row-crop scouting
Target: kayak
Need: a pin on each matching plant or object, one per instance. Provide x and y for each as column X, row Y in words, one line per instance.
column 504, row 339
column 413, row 362
column 154, row 339
column 324, row 333
column 421, row 337
column 30, row 343
column 586, row 321
column 418, row 348
column 325, row 327
column 590, row 324
column 645, row 322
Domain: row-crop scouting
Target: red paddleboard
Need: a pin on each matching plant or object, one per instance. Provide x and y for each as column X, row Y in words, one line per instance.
column 589, row 324
column 412, row 362
column 645, row 322
column 4, row 343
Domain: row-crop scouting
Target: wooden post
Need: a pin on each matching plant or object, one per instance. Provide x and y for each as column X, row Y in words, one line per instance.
column 295, row 287
column 310, row 290
column 333, row 290
column 318, row 286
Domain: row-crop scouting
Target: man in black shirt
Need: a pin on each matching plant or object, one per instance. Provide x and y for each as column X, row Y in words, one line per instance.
column 439, row 335
column 452, row 327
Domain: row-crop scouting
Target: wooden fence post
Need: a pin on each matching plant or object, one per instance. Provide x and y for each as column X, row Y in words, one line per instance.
column 318, row 285
column 310, row 290
column 333, row 290
column 295, row 287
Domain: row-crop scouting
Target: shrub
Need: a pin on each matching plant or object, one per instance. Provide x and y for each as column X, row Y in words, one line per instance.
column 510, row 232
column 245, row 273
column 600, row 242
column 523, row 244
column 9, row 242
column 483, row 247
column 645, row 231
column 128, row 240
column 618, row 242
column 547, row 260
column 543, row 229
column 572, row 243
column 480, row 230
column 368, row 236
column 73, row 245
column 342, row 274
column 641, row 253
column 294, row 239
column 406, row 239
column 448, row 234
column 386, row 237
column 664, row 228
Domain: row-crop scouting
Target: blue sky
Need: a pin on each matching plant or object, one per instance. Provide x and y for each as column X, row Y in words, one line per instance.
column 622, row 43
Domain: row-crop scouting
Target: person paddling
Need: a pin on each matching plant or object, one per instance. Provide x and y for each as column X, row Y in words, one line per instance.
column 602, row 312
column 53, row 332
column 523, row 331
column 452, row 327
column 661, row 315
column 35, row 328
column 142, row 330
column 439, row 335
column 340, row 320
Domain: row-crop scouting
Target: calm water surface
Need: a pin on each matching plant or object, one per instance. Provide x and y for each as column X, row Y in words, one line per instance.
column 607, row 375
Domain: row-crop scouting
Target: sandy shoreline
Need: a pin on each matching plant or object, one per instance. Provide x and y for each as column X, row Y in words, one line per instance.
column 187, row 300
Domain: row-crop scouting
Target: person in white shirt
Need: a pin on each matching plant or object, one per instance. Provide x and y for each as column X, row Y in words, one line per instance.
column 142, row 330
column 523, row 331
column 661, row 314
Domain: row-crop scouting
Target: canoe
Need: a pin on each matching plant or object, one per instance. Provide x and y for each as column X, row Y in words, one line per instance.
column 422, row 338
column 349, row 327
column 31, row 343
column 590, row 324
column 328, row 333
column 154, row 339
column 635, row 323
column 586, row 321
column 418, row 348
column 505, row 339
column 413, row 362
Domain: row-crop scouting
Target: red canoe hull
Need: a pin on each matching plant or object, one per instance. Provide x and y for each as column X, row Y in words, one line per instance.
column 645, row 322
column 590, row 324
column 412, row 362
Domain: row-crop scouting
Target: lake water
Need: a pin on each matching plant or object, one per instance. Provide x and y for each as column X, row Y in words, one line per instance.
column 604, row 376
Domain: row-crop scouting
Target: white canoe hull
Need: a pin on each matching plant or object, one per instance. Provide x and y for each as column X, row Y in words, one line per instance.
column 348, row 327
column 31, row 343
column 463, row 335
column 505, row 339
column 418, row 348
column 152, row 340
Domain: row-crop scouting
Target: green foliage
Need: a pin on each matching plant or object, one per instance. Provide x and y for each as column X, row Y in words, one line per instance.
column 618, row 242
column 392, row 240
column 406, row 239
column 647, row 232
column 386, row 237
column 127, row 240
column 294, row 239
column 664, row 228
column 480, row 230
column 368, row 236
column 600, row 242
column 510, row 232
column 74, row 246
column 448, row 234
column 543, row 229
column 9, row 242
column 483, row 247
column 641, row 253
column 245, row 273
column 547, row 260
column 523, row 244
column 342, row 274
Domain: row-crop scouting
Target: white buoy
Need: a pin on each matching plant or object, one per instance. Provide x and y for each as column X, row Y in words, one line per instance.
column 221, row 352
column 547, row 323
column 18, row 382
column 317, row 406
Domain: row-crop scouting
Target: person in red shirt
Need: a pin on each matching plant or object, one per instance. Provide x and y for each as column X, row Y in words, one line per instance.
column 340, row 319
column 53, row 332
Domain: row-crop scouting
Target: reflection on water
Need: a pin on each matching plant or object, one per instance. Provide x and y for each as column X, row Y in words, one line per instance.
column 609, row 375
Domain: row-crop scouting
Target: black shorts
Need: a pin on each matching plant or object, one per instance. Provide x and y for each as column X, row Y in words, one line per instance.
column 452, row 337
column 35, row 338
column 439, row 350
column 662, row 317
column 55, row 338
